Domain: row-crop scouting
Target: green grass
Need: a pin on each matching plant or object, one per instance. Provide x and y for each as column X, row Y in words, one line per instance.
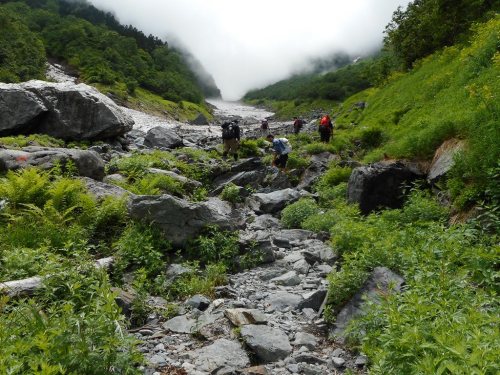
column 288, row 109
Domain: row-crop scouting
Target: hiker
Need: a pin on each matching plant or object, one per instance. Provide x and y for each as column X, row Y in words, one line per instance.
column 297, row 125
column 231, row 139
column 264, row 127
column 325, row 129
column 281, row 148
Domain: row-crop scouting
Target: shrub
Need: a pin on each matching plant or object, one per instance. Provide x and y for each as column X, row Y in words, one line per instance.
column 294, row 214
column 249, row 148
column 215, row 246
column 198, row 282
column 27, row 186
column 371, row 138
column 231, row 193
column 335, row 175
column 141, row 246
column 297, row 161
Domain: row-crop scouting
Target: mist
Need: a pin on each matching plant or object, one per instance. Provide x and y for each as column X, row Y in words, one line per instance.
column 247, row 44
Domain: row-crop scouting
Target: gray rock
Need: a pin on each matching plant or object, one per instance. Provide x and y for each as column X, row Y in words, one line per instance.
column 305, row 339
column 313, row 300
column 101, row 190
column 174, row 271
column 87, row 163
column 198, row 302
column 265, row 222
column 20, row 110
column 283, row 300
column 77, row 112
column 240, row 316
column 268, row 344
column 361, row 361
column 181, row 220
column 273, row 202
column 161, row 137
column 444, row 159
column 222, row 353
column 309, row 358
column 382, row 280
column 324, row 269
column 301, row 266
column 338, row 362
column 180, row 324
column 380, row 185
column 288, row 279
column 294, row 235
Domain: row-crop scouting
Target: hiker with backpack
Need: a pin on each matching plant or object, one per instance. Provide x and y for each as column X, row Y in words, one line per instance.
column 297, row 125
column 281, row 148
column 325, row 129
column 231, row 139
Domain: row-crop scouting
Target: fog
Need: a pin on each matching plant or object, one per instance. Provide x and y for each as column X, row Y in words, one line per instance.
column 248, row 44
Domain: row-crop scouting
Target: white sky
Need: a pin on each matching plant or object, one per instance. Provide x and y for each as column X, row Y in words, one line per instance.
column 248, row 44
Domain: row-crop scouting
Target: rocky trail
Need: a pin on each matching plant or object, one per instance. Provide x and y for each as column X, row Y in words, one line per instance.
column 267, row 319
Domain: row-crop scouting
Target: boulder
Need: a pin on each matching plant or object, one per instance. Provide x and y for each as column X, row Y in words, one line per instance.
column 381, row 282
column 64, row 110
column 161, row 137
column 180, row 324
column 20, row 110
column 380, row 185
column 200, row 120
column 283, row 300
column 250, row 178
column 240, row 316
column 87, row 163
column 275, row 201
column 288, row 279
column 101, row 190
column 222, row 355
column 444, row 159
column 181, row 220
column 199, row 302
column 313, row 300
column 268, row 344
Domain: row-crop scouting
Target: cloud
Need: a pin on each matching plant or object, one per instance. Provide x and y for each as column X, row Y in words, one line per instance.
column 247, row 44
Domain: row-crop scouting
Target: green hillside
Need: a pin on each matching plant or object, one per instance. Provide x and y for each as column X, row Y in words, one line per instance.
column 92, row 42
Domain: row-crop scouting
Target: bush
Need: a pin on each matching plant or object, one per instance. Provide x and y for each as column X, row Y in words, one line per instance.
column 294, row 214
column 231, row 193
column 27, row 186
column 215, row 246
column 371, row 138
column 335, row 175
column 141, row 246
column 249, row 148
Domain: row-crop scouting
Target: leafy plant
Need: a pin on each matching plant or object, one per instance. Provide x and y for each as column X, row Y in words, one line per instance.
column 231, row 193
column 296, row 213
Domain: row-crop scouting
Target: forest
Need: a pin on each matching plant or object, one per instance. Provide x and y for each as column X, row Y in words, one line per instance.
column 93, row 43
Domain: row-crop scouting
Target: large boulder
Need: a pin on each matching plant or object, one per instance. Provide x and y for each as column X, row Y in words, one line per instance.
column 275, row 201
column 381, row 282
column 181, row 220
column 223, row 356
column 268, row 344
column 444, row 159
column 19, row 109
column 161, row 137
column 87, row 163
column 380, row 185
column 63, row 110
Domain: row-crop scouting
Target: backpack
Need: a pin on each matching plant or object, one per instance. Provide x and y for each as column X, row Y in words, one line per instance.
column 324, row 121
column 285, row 146
column 228, row 131
column 265, row 124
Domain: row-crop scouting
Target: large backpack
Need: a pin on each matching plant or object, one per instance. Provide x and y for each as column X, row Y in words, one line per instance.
column 228, row 131
column 284, row 146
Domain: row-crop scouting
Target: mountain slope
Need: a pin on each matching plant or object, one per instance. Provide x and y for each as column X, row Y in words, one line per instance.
column 101, row 49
